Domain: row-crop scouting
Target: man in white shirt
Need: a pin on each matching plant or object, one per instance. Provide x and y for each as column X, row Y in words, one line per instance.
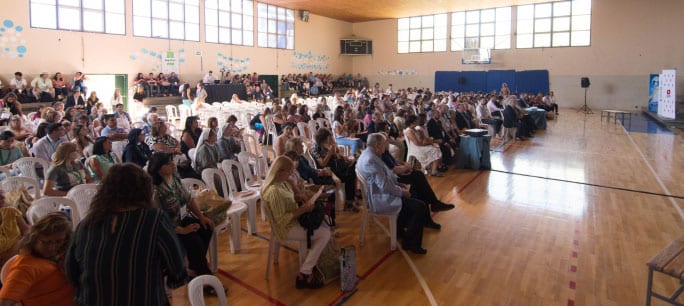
column 46, row 146
column 42, row 88
column 111, row 131
column 18, row 84
column 209, row 78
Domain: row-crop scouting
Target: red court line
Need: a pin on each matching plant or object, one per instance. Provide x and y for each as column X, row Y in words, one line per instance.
column 364, row 276
column 271, row 299
column 469, row 182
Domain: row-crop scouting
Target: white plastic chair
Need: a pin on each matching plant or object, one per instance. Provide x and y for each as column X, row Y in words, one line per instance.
column 27, row 166
column 193, row 185
column 5, row 270
column 83, row 196
column 247, row 196
column 274, row 243
column 184, row 112
column 44, row 206
column 30, row 184
column 367, row 213
column 233, row 217
column 192, row 153
column 324, row 123
column 196, row 290
column 171, row 113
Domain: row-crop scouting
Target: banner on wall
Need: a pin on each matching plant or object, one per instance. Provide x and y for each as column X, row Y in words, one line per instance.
column 653, row 93
column 170, row 63
column 666, row 103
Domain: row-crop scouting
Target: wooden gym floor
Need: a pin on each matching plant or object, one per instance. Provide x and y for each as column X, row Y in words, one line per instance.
column 569, row 217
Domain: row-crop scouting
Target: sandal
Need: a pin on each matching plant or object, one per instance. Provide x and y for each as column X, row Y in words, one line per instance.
column 307, row 281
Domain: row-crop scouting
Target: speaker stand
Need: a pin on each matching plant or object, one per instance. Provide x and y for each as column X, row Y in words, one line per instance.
column 585, row 109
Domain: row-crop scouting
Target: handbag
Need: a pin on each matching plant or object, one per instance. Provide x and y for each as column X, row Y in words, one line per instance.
column 19, row 199
column 213, row 205
column 328, row 266
column 312, row 220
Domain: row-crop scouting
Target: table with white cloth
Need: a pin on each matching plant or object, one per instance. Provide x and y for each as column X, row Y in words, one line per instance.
column 538, row 115
column 473, row 152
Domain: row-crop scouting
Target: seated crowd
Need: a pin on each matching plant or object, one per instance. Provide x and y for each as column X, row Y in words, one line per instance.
column 371, row 132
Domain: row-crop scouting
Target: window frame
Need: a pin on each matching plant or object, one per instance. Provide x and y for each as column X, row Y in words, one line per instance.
column 56, row 6
column 230, row 28
column 495, row 23
column 276, row 17
column 552, row 20
column 430, row 30
column 168, row 19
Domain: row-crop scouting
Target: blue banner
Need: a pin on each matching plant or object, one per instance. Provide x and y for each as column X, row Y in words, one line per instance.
column 653, row 92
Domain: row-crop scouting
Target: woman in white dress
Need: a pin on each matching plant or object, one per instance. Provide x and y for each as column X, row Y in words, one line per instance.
column 422, row 147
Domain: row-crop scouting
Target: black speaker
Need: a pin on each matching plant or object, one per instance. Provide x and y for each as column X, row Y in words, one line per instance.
column 585, row 82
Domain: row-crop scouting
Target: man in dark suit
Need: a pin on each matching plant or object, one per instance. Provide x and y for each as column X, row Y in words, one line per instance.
column 464, row 120
column 75, row 100
column 513, row 119
column 436, row 131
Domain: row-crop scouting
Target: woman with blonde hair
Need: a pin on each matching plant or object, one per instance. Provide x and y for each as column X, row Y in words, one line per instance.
column 36, row 276
column 65, row 171
column 284, row 211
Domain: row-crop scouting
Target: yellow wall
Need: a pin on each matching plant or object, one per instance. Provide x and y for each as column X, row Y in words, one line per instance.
column 94, row 53
column 630, row 40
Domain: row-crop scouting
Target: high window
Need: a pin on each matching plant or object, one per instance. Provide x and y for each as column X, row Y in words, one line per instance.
column 175, row 19
column 481, row 29
column 554, row 24
column 229, row 22
column 422, row 34
column 80, row 15
column 276, row 26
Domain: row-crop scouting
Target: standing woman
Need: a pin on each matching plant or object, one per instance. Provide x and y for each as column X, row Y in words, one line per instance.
column 124, row 248
column 136, row 151
column 65, row 171
column 194, row 230
column 116, row 99
column 284, row 212
column 102, row 159
column 200, row 97
column 36, row 277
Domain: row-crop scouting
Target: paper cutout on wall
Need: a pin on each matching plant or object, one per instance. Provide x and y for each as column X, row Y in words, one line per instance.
column 152, row 59
column 397, row 72
column 309, row 61
column 232, row 64
column 12, row 45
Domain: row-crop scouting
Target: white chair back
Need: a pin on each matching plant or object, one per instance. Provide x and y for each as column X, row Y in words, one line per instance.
column 27, row 166
column 30, row 184
column 209, row 175
column 44, row 206
column 196, row 290
column 193, row 185
column 171, row 113
column 192, row 153
column 227, row 167
column 118, row 148
column 83, row 196
column 303, row 130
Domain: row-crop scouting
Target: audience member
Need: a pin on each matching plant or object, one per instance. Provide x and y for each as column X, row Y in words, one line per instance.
column 102, row 159
column 112, row 131
column 278, row 196
column 65, row 171
column 425, row 150
column 229, row 145
column 46, row 146
column 36, row 277
column 207, row 155
column 125, row 250
column 12, row 228
column 136, row 150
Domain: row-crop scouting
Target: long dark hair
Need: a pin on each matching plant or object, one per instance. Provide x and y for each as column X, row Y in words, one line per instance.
column 158, row 160
column 188, row 124
column 98, row 146
column 125, row 185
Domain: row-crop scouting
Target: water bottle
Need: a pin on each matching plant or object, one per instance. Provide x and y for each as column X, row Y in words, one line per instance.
column 66, row 210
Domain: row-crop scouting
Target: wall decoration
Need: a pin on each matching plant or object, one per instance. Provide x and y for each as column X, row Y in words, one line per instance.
column 397, row 72
column 309, row 61
column 153, row 59
column 232, row 64
column 12, row 45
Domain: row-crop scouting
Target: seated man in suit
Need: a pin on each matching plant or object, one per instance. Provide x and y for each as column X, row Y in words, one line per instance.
column 75, row 100
column 385, row 195
column 437, row 132
column 512, row 118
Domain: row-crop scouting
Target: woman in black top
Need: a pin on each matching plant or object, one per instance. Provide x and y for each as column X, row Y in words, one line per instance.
column 136, row 151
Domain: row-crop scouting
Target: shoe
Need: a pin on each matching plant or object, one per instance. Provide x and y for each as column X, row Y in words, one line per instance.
column 439, row 206
column 416, row 249
column 437, row 174
column 350, row 206
column 433, row 225
column 307, row 281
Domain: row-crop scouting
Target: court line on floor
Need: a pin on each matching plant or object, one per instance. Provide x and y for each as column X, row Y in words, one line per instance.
column 256, row 291
column 660, row 182
column 593, row 185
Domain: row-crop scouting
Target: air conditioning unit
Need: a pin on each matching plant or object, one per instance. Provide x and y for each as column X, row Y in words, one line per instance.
column 356, row 47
